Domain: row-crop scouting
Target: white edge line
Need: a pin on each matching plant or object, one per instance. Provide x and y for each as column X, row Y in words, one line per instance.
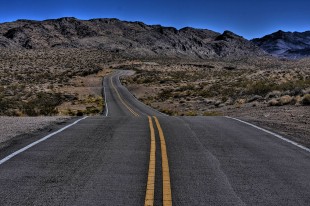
column 272, row 133
column 38, row 141
column 106, row 104
column 105, row 97
column 140, row 101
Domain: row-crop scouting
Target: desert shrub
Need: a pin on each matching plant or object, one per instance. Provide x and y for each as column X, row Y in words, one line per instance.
column 224, row 98
column 165, row 94
column 92, row 110
column 5, row 104
column 306, row 100
column 71, row 113
column 43, row 104
column 294, row 85
column 186, row 88
column 264, row 87
column 284, row 100
column 147, row 80
column 79, row 113
column 229, row 68
column 191, row 113
column 229, row 91
column 260, row 88
column 206, row 93
column 212, row 113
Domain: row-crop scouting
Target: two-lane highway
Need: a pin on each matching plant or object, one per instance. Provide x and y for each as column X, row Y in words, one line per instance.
column 135, row 155
column 120, row 102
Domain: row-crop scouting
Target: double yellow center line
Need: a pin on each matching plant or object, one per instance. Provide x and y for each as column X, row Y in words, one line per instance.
column 124, row 103
column 149, row 197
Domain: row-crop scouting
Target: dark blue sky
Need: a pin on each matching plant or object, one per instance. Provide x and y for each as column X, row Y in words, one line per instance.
column 251, row 18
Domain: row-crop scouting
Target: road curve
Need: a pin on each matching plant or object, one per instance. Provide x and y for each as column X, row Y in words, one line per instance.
column 135, row 155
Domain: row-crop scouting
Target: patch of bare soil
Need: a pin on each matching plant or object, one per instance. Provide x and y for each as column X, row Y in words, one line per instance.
column 85, row 93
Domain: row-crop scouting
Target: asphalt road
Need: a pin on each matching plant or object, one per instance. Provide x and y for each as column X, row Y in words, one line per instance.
column 134, row 155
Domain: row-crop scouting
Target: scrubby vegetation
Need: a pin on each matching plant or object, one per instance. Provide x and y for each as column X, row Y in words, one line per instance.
column 32, row 82
column 198, row 88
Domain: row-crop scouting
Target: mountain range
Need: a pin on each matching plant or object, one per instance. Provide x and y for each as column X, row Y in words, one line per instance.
column 127, row 38
column 136, row 39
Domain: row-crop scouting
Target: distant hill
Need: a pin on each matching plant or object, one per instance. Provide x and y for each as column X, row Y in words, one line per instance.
column 128, row 38
column 286, row 44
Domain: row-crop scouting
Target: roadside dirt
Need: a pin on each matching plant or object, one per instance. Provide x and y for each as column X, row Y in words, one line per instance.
column 86, row 94
column 290, row 121
column 270, row 93
column 13, row 126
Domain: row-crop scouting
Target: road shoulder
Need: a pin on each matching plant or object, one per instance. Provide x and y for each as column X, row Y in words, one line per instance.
column 28, row 133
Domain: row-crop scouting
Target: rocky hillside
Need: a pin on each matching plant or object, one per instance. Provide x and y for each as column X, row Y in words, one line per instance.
column 134, row 39
column 286, row 44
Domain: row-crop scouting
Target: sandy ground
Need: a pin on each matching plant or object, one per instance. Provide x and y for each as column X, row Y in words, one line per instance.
column 14, row 126
column 291, row 121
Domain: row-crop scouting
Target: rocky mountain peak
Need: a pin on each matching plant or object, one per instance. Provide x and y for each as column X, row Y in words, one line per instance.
column 228, row 35
column 286, row 44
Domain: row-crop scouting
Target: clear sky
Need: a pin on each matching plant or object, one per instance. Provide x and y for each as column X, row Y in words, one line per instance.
column 248, row 18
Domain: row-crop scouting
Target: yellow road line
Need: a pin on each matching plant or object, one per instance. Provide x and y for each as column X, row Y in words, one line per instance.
column 149, row 197
column 131, row 110
column 167, row 199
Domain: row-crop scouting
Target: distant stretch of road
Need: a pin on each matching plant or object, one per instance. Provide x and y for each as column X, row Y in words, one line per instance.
column 135, row 155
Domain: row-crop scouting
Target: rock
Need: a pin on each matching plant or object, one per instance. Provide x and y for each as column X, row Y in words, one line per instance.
column 209, row 101
column 295, row 92
column 217, row 103
column 273, row 94
column 240, row 101
column 229, row 101
column 305, row 91
column 254, row 98
column 221, row 105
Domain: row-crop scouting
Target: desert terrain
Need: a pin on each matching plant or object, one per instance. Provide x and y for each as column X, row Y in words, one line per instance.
column 268, row 92
column 56, row 67
column 46, row 82
column 272, row 93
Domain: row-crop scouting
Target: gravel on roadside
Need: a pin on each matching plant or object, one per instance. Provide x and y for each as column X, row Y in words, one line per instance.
column 14, row 126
